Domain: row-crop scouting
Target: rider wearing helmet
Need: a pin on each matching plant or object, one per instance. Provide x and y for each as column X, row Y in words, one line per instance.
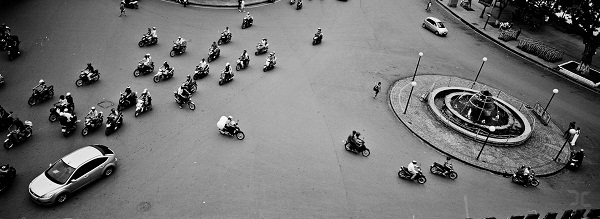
column 226, row 32
column 214, row 47
column 153, row 33
column 183, row 95
column 179, row 42
column 413, row 168
column 319, row 34
column 272, row 58
column 93, row 114
column 203, row 64
column 248, row 17
column 41, row 87
column 147, row 61
column 145, row 96
column 229, row 125
column 244, row 57
column 227, row 71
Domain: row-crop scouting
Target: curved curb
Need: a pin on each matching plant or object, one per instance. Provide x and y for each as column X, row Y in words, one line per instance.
column 538, row 63
column 230, row 5
column 503, row 173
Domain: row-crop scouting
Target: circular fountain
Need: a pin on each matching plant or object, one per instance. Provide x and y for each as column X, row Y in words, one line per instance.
column 473, row 112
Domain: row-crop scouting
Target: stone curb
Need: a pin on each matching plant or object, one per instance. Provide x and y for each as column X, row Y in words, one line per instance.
column 232, row 5
column 555, row 71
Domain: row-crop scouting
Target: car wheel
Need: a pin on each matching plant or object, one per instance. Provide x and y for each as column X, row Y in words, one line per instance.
column 62, row 198
column 437, row 33
column 109, row 171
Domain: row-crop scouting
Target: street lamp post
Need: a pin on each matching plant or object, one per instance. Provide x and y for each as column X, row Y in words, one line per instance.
column 486, row 21
column 572, row 132
column 492, row 129
column 475, row 81
column 415, row 74
column 554, row 92
column 483, row 11
column 412, row 86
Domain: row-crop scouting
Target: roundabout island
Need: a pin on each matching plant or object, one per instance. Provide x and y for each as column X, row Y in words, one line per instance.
column 478, row 124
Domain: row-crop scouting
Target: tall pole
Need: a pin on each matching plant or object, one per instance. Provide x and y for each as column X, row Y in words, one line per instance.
column 412, row 86
column 554, row 92
column 492, row 129
column 476, row 77
column 484, row 7
column 572, row 131
column 415, row 74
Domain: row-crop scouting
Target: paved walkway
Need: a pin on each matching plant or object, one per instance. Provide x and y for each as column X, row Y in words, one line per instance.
column 538, row 152
column 572, row 45
column 225, row 3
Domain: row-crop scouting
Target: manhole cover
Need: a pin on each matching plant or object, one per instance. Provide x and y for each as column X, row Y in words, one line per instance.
column 143, row 207
column 106, row 104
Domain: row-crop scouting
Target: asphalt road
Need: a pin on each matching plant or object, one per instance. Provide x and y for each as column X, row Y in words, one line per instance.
column 174, row 163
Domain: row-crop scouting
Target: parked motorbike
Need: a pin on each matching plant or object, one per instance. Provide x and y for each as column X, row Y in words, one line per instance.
column 213, row 54
column 260, row 49
column 147, row 40
column 317, row 39
column 528, row 180
column 188, row 101
column 299, row 5
column 224, row 79
column 163, row 74
column 201, row 72
column 225, row 38
column 69, row 127
column 575, row 160
column 131, row 4
column 83, row 78
column 177, row 50
column 192, row 87
column 358, row 150
column 268, row 65
column 141, row 69
column 140, row 107
column 112, row 124
column 14, row 137
column 92, row 124
column 405, row 174
column 124, row 103
column 235, row 132
column 7, row 175
column 247, row 23
column 440, row 169
column 242, row 64
column 37, row 97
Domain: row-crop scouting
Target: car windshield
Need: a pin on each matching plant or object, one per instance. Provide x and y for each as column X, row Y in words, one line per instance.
column 60, row 172
column 440, row 24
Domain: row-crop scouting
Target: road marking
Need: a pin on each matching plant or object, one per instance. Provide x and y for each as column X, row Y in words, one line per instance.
column 466, row 207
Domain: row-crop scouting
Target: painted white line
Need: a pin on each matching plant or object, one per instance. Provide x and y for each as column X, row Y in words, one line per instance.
column 466, row 207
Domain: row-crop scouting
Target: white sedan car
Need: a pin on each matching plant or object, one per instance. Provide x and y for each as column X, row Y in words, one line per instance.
column 435, row 25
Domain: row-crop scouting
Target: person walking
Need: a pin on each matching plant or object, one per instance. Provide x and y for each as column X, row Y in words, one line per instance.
column 122, row 7
column 575, row 136
column 377, row 88
column 242, row 6
column 428, row 6
column 571, row 126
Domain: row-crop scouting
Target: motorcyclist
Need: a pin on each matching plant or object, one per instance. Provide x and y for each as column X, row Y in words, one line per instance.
column 90, row 70
column 188, row 81
column 183, row 94
column 272, row 58
column 40, row 88
column 146, row 61
column 149, row 34
column 244, row 57
column 413, row 168
column 214, row 47
column 248, row 18
column 4, row 170
column 166, row 68
column 319, row 34
column 226, row 32
column 153, row 33
column 93, row 114
column 70, row 103
column 114, row 115
column 523, row 174
column 66, row 118
column 447, row 165
column 128, row 95
column 264, row 43
column 61, row 104
column 203, row 64
column 178, row 43
column 229, row 125
column 145, row 96
column 20, row 127
column 357, row 141
column 227, row 71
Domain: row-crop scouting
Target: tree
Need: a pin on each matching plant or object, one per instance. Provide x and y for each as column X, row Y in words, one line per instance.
column 587, row 19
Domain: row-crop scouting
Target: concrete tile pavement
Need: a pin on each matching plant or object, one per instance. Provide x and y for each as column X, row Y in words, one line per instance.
column 571, row 45
column 538, row 152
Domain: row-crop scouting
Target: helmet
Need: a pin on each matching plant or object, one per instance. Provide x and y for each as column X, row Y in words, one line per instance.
column 319, row 28
column 357, row 134
column 93, row 108
column 68, row 94
column 203, row 59
column 154, row 28
column 164, row 63
column 62, row 97
column 188, row 76
column 230, row 117
column 227, row 64
column 414, row 162
column 273, row 52
column 248, row 13
column 264, row 38
column 42, row 81
column 581, row 150
column 4, row 167
column 179, row 37
column 66, row 110
column 145, row 90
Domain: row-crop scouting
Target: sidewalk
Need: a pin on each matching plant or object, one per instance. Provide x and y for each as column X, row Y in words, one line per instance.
column 571, row 45
column 538, row 152
column 225, row 3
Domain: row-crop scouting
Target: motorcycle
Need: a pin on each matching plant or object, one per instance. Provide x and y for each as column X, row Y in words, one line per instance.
column 192, row 87
column 213, row 54
column 224, row 79
column 142, row 69
column 14, row 137
column 131, row 4
column 268, row 65
column 12, row 51
column 442, row 170
column 69, row 127
column 575, row 160
column 189, row 102
column 405, row 174
column 163, row 74
column 113, row 124
column 247, row 23
column 317, row 39
column 358, row 150
column 178, row 50
column 299, row 5
column 242, row 64
column 91, row 124
column 147, row 40
column 260, row 49
column 55, row 112
column 7, row 178
column 6, row 120
column 83, row 78
column 37, row 97
column 236, row 132
column 141, row 107
column 225, row 38
column 183, row 2
column 201, row 72
column 529, row 180
column 124, row 103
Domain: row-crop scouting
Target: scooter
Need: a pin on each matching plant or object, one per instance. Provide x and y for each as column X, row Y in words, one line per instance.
column 91, row 124
column 529, row 180
column 299, row 5
column 141, row 69
column 440, row 169
column 113, row 124
column 140, row 107
column 224, row 38
column 236, row 132
column 201, row 72
column 575, row 160
column 13, row 136
column 68, row 129
column 213, row 54
column 405, row 174
column 7, row 177
column 260, row 49
column 242, row 64
column 41, row 96
column 189, row 102
column 224, row 79
column 83, row 78
column 317, row 39
column 268, row 65
column 131, row 4
column 357, row 150
column 147, row 40
column 163, row 74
